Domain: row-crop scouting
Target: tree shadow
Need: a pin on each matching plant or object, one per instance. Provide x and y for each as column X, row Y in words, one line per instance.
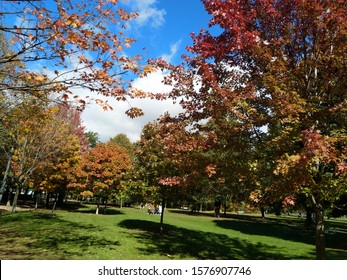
column 286, row 229
column 91, row 209
column 336, row 235
column 191, row 213
column 248, row 217
column 55, row 239
column 101, row 211
column 181, row 243
column 283, row 229
column 279, row 227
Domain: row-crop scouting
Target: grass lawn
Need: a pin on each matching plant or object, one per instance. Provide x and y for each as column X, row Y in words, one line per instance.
column 129, row 234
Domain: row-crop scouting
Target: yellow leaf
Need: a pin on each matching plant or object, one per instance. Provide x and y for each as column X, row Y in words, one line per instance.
column 40, row 78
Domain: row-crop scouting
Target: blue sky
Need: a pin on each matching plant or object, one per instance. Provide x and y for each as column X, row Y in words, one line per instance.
column 163, row 28
column 163, row 23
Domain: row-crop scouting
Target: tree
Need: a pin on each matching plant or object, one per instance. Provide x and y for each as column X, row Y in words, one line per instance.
column 35, row 134
column 101, row 170
column 55, row 173
column 93, row 138
column 154, row 168
column 123, row 141
column 71, row 45
column 278, row 67
column 5, row 106
column 72, row 116
column 231, row 151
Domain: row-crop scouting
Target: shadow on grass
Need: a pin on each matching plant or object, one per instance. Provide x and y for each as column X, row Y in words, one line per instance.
column 109, row 211
column 190, row 213
column 246, row 217
column 91, row 209
column 283, row 228
column 25, row 235
column 190, row 244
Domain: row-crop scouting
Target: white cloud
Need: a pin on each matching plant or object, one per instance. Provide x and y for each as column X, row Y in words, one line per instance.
column 111, row 123
column 148, row 12
column 173, row 51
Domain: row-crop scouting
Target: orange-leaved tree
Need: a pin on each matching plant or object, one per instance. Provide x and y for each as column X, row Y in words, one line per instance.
column 101, row 170
column 55, row 173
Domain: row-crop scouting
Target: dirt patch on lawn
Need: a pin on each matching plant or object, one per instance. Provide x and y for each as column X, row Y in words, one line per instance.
column 4, row 208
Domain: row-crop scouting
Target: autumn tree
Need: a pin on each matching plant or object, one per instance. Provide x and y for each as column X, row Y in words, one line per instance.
column 101, row 170
column 155, row 170
column 35, row 134
column 8, row 121
column 68, row 45
column 277, row 67
column 72, row 116
column 5, row 107
column 55, row 173
column 213, row 161
column 124, row 142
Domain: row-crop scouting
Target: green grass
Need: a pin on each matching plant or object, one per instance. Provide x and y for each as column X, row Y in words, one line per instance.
column 130, row 234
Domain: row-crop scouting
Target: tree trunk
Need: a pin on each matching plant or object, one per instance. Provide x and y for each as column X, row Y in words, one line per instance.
column 320, row 235
column 54, row 205
column 105, row 202
column 217, row 205
column 8, row 203
column 25, row 196
column 15, row 199
column 97, row 206
column 37, row 198
column 61, row 198
column 47, row 199
column 4, row 181
column 162, row 216
column 262, row 210
column 278, row 208
column 309, row 219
